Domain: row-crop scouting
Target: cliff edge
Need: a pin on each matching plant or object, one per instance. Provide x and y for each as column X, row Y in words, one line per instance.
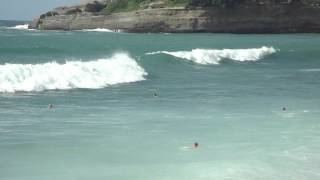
column 220, row 16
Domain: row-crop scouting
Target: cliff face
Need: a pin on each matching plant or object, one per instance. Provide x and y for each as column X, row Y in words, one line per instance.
column 288, row 16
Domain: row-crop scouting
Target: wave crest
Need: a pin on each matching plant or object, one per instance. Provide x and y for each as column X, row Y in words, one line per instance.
column 214, row 56
column 120, row 68
column 22, row 27
column 311, row 70
column 100, row 30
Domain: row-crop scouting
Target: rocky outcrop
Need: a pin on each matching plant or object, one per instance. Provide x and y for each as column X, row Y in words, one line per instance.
column 94, row 7
column 283, row 16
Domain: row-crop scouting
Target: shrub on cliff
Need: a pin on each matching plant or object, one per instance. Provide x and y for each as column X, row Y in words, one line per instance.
column 123, row 5
column 94, row 7
column 177, row 2
column 220, row 3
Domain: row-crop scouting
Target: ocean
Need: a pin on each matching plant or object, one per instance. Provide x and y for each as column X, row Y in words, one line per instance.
column 131, row 106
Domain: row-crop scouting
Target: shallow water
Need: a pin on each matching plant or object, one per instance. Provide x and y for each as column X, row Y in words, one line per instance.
column 107, row 124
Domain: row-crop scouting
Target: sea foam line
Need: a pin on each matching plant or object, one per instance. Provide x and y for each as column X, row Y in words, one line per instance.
column 214, row 56
column 120, row 68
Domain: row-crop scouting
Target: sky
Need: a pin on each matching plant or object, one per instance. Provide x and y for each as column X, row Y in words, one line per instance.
column 29, row 9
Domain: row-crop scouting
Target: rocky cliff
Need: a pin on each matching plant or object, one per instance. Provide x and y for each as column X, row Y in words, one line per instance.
column 243, row 16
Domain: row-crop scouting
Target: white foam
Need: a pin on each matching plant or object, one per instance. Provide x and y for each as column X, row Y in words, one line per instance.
column 120, row 68
column 22, row 27
column 100, row 30
column 214, row 56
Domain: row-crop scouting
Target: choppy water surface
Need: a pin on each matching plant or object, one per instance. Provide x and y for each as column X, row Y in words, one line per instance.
column 130, row 106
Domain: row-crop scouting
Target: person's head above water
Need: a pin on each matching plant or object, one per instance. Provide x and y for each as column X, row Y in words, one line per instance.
column 284, row 108
column 195, row 145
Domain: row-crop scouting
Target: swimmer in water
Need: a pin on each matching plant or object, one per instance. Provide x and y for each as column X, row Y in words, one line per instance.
column 284, row 109
column 155, row 94
column 50, row 106
column 195, row 145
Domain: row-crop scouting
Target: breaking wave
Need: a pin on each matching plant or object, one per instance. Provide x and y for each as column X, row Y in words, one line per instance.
column 120, row 68
column 22, row 27
column 100, row 30
column 214, row 56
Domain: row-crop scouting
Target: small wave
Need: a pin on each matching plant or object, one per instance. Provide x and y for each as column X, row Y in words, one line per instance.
column 101, row 30
column 21, row 27
column 310, row 70
column 120, row 68
column 214, row 56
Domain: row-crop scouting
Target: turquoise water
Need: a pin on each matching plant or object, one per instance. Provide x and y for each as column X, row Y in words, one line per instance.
column 227, row 95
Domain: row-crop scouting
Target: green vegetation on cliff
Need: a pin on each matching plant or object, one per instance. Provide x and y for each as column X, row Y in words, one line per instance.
column 115, row 6
column 122, row 5
column 130, row 5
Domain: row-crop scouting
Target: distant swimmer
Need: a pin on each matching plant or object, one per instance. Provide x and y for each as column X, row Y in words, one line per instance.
column 155, row 94
column 50, row 106
column 284, row 109
column 195, row 145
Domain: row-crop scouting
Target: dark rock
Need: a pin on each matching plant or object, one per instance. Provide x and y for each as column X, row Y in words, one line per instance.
column 73, row 11
column 94, row 7
column 42, row 16
column 51, row 13
column 34, row 24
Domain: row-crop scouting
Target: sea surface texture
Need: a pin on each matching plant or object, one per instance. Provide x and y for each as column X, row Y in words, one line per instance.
column 130, row 106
